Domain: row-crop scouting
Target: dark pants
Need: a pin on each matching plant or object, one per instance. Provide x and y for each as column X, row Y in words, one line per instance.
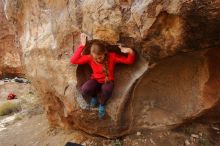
column 92, row 88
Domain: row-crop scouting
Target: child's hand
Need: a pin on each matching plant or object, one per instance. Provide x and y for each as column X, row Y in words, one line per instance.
column 126, row 50
column 83, row 37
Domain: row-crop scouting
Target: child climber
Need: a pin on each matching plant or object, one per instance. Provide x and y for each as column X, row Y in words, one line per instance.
column 102, row 63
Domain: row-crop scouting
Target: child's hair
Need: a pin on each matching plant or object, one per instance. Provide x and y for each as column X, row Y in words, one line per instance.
column 99, row 47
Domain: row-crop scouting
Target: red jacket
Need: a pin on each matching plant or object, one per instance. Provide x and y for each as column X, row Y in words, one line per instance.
column 97, row 68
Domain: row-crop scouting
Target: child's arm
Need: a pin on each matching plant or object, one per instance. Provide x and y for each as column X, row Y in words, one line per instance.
column 126, row 60
column 77, row 58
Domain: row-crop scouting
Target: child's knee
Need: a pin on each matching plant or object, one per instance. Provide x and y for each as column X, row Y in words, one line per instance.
column 89, row 87
column 86, row 90
column 107, row 89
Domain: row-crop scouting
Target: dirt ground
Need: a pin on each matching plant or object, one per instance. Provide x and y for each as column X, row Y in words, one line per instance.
column 35, row 131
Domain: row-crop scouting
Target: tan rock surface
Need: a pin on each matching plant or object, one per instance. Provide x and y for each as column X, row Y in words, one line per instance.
column 10, row 51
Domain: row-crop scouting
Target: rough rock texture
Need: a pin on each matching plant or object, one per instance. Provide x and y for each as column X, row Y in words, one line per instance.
column 10, row 52
column 176, row 89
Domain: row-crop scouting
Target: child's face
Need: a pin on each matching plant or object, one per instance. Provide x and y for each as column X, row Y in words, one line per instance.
column 98, row 57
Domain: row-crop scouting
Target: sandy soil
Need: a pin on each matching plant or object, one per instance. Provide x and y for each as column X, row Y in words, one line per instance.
column 35, row 131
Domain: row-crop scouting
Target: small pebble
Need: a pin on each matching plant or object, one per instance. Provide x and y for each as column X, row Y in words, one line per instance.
column 194, row 136
column 151, row 140
column 138, row 133
column 215, row 128
column 187, row 142
column 200, row 134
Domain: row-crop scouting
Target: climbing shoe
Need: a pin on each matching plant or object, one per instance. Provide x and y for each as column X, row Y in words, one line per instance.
column 93, row 101
column 101, row 111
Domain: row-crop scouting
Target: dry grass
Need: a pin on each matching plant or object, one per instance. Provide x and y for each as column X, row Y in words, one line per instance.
column 9, row 107
column 19, row 117
column 27, row 103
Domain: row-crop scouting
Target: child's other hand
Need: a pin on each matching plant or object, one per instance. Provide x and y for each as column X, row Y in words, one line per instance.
column 83, row 37
column 126, row 50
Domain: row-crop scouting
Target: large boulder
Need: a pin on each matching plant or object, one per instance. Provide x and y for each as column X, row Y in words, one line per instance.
column 10, row 56
column 175, row 76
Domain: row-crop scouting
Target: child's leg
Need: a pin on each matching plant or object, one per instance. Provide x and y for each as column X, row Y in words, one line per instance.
column 106, row 94
column 90, row 88
column 107, row 89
